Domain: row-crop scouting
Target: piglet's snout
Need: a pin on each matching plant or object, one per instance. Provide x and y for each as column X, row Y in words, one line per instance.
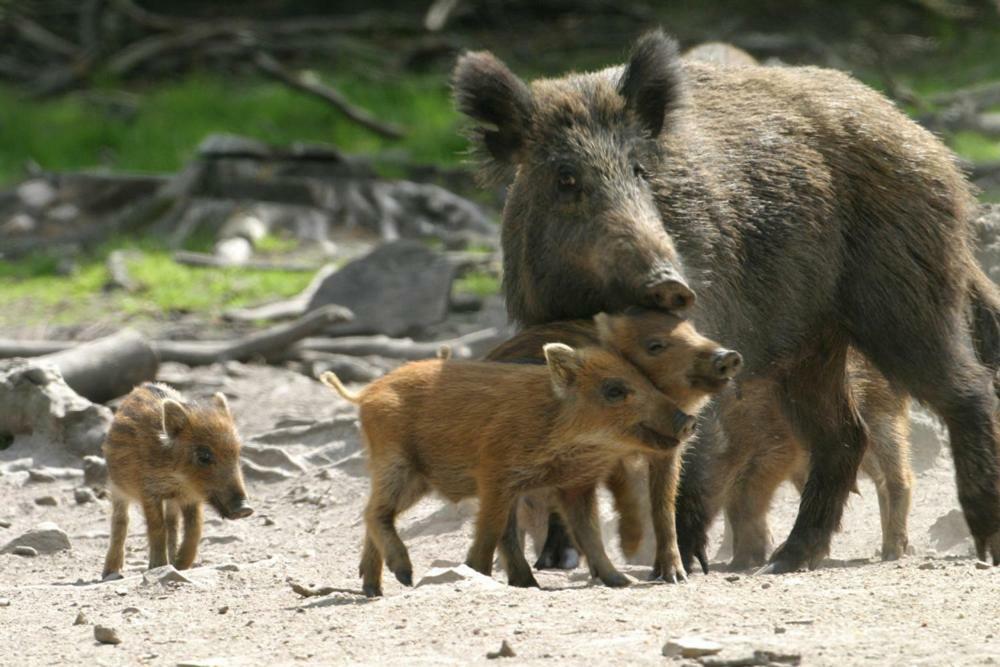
column 726, row 364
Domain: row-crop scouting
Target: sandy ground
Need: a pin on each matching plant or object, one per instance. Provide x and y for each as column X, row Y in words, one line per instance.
column 935, row 607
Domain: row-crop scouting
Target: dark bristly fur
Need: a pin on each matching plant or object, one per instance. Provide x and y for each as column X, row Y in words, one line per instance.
column 171, row 457
column 809, row 216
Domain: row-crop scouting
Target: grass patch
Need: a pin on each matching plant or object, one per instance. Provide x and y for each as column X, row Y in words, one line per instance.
column 479, row 283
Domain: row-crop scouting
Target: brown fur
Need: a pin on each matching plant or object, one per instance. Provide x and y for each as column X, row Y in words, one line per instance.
column 497, row 431
column 681, row 363
column 808, row 215
column 171, row 457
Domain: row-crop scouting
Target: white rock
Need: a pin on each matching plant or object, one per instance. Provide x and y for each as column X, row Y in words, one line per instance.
column 45, row 538
column 443, row 572
column 37, row 193
column 690, row 647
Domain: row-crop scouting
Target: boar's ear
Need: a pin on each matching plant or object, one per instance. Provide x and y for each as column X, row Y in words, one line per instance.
column 564, row 365
column 221, row 404
column 605, row 327
column 489, row 93
column 652, row 81
column 175, row 418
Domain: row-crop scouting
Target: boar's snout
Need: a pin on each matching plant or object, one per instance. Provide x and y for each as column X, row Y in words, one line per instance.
column 683, row 424
column 668, row 291
column 726, row 364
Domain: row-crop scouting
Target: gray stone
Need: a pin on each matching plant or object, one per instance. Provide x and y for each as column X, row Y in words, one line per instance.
column 4, row 602
column 690, row 647
column 40, row 476
column 106, row 635
column 259, row 473
column 81, row 618
column 397, row 289
column 505, row 651
column 46, row 538
column 95, row 471
column 27, row 552
column 949, row 530
column 927, row 438
column 83, row 495
column 47, row 501
column 167, row 574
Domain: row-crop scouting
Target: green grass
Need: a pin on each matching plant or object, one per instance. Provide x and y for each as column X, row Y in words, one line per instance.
column 170, row 119
column 33, row 292
column 479, row 283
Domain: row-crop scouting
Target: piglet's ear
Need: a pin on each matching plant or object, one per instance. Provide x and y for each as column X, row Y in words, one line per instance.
column 500, row 103
column 564, row 366
column 652, row 83
column 605, row 327
column 175, row 418
column 221, row 404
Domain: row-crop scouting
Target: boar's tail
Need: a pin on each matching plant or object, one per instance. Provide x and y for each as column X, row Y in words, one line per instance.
column 333, row 382
column 984, row 297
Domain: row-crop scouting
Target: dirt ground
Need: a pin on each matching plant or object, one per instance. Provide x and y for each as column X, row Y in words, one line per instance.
column 934, row 607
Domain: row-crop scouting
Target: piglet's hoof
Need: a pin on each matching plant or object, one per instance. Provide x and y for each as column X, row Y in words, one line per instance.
column 404, row 577
column 616, row 580
column 372, row 590
column 112, row 576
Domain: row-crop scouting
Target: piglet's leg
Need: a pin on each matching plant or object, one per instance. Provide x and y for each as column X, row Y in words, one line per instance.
column 192, row 534
column 580, row 507
column 494, row 509
column 115, row 558
column 512, row 554
column 156, row 532
column 171, row 517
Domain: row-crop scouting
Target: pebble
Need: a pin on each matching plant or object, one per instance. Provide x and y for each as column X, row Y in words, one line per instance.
column 779, row 630
column 690, row 647
column 4, row 602
column 224, row 610
column 47, row 501
column 164, row 575
column 733, row 577
column 26, row 551
column 505, row 652
column 980, row 565
column 45, row 538
column 106, row 635
column 5, row 524
column 81, row 618
column 40, row 476
column 83, row 495
column 929, row 565
column 766, row 584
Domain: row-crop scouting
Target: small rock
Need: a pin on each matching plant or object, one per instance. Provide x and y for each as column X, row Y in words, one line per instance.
column 4, row 602
column 106, row 635
column 205, row 662
column 690, row 647
column 980, row 565
column 929, row 565
column 83, row 495
column 47, row 501
column 40, row 476
column 95, row 471
column 450, row 574
column 26, row 551
column 224, row 610
column 779, row 630
column 164, row 575
column 767, row 657
column 505, row 652
column 268, row 521
column 5, row 523
column 228, row 567
column 81, row 619
column 766, row 584
column 733, row 577
column 36, row 193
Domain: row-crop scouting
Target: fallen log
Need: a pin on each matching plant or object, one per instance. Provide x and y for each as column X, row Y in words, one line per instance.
column 463, row 347
column 189, row 258
column 264, row 344
column 108, row 367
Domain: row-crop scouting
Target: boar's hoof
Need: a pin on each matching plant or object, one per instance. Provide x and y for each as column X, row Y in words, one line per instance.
column 404, row 577
column 989, row 546
column 615, row 579
column 372, row 590
column 526, row 580
column 779, row 566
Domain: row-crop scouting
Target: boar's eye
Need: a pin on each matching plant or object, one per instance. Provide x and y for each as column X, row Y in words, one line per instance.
column 614, row 391
column 567, row 180
column 204, row 456
column 640, row 171
column 654, row 346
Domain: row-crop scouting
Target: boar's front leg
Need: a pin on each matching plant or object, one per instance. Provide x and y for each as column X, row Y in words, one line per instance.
column 495, row 507
column 156, row 531
column 580, row 506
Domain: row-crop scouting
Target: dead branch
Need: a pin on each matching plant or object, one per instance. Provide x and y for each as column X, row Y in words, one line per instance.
column 108, row 367
column 204, row 259
column 263, row 344
column 399, row 348
column 42, row 37
column 307, row 84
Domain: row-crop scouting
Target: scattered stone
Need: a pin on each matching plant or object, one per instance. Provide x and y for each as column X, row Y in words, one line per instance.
column 980, row 565
column 83, row 495
column 779, row 630
column 5, row 524
column 690, row 647
column 505, row 652
column 4, row 602
column 927, row 437
column 228, row 567
column 801, row 621
column 949, row 530
column 733, row 577
column 205, row 662
column 929, row 565
column 307, row 592
column 106, row 635
column 37, row 193
column 81, row 619
column 27, row 552
column 268, row 521
column 766, row 584
column 767, row 657
column 442, row 572
column 40, row 476
column 166, row 574
column 47, row 501
column 398, row 288
column 95, row 471
column 46, row 538
column 224, row 609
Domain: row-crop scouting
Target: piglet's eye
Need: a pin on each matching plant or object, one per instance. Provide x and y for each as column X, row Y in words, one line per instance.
column 655, row 346
column 204, row 456
column 614, row 391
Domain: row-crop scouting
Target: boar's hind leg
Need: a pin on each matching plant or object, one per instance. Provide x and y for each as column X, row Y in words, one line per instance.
column 171, row 520
column 156, row 532
column 192, row 535
column 558, row 552
column 580, row 506
column 819, row 403
column 495, row 508
column 115, row 558
column 512, row 554
column 394, row 489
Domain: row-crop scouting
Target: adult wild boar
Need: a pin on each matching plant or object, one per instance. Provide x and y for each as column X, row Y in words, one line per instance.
column 805, row 211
